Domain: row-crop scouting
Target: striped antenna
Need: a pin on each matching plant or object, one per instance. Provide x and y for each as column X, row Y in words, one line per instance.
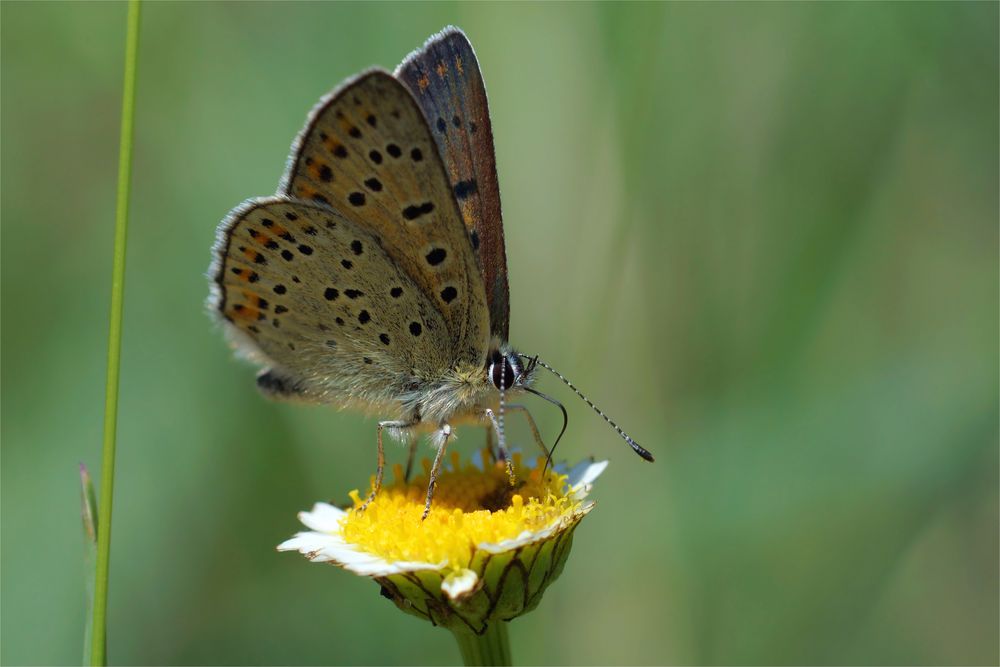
column 636, row 447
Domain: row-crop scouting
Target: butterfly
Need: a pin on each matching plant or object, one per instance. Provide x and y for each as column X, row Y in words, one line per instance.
column 376, row 277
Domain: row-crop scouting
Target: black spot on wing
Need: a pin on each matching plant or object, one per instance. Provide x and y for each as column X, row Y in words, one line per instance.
column 413, row 212
column 436, row 256
column 464, row 189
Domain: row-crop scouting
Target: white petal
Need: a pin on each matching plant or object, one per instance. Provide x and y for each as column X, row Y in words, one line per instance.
column 583, row 475
column 324, row 547
column 526, row 537
column 458, row 584
column 324, row 517
column 305, row 542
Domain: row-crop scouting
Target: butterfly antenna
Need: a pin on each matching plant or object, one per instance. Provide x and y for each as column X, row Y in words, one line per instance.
column 548, row 458
column 638, row 449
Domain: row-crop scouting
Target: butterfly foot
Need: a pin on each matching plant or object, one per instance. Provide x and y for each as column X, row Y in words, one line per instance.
column 381, row 465
column 511, row 477
column 443, row 434
column 368, row 501
column 502, row 453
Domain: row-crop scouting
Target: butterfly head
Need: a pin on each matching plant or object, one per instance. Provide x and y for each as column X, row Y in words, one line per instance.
column 507, row 370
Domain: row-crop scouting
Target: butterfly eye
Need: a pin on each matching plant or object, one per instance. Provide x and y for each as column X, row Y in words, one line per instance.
column 502, row 373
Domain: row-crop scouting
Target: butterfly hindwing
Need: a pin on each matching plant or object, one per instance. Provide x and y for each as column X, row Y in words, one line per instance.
column 367, row 151
column 445, row 79
column 312, row 295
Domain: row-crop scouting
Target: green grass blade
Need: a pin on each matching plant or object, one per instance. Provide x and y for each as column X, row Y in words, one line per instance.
column 88, row 511
column 98, row 646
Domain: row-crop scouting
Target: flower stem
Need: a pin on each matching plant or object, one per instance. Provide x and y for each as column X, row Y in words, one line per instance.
column 490, row 648
column 98, row 647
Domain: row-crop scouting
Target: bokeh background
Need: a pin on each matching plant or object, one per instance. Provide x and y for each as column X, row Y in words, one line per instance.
column 764, row 237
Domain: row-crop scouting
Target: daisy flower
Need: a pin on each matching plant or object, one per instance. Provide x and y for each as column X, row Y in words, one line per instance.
column 485, row 554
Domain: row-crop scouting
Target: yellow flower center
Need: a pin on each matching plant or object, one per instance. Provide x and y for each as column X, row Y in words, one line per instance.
column 470, row 507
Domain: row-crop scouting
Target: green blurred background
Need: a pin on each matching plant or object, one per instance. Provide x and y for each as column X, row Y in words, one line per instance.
column 768, row 240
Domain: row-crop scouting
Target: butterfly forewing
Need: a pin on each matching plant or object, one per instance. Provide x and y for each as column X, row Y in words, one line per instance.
column 368, row 152
column 444, row 77
column 313, row 295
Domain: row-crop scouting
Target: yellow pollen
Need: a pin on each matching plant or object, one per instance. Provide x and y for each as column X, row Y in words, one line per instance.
column 470, row 507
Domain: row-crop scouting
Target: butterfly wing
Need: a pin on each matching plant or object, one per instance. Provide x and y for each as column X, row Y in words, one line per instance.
column 312, row 295
column 444, row 77
column 367, row 151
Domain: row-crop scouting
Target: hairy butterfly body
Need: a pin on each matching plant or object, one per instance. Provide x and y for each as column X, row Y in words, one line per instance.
column 376, row 277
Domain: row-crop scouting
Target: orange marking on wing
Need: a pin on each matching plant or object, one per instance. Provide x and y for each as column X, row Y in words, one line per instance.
column 243, row 274
column 254, row 299
column 306, row 192
column 442, row 69
column 251, row 297
column 278, row 229
column 314, row 169
column 331, row 144
column 458, row 64
column 250, row 253
column 423, row 82
column 245, row 312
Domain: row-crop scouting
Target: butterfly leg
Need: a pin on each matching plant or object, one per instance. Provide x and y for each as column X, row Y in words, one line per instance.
column 504, row 454
column 410, row 458
column 443, row 434
column 517, row 407
column 491, row 446
column 381, row 460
